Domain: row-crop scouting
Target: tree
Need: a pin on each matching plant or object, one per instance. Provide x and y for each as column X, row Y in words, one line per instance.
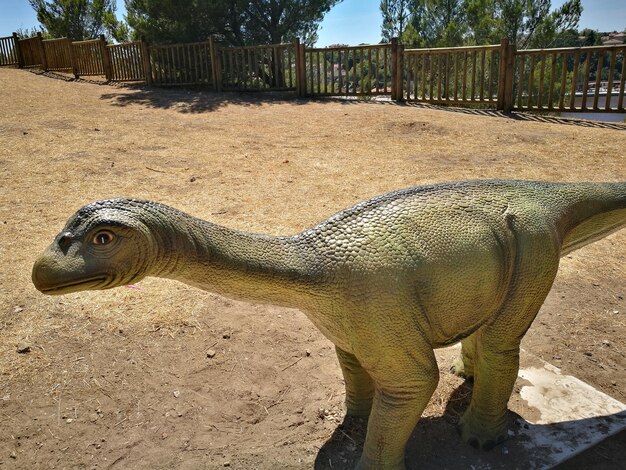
column 481, row 22
column 236, row 22
column 436, row 23
column 530, row 23
column 395, row 17
column 76, row 19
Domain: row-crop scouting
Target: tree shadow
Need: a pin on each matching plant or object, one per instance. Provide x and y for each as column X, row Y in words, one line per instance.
column 436, row 444
column 195, row 100
column 200, row 99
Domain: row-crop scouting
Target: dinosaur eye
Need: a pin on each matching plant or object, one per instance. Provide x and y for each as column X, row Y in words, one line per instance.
column 103, row 237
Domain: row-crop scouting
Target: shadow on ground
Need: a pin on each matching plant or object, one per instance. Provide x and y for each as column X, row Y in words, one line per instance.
column 201, row 100
column 431, row 435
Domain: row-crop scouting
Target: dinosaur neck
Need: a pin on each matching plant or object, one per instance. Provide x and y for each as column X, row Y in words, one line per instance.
column 238, row 265
column 593, row 211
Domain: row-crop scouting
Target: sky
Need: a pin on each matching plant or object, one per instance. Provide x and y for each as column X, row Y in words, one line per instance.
column 350, row 22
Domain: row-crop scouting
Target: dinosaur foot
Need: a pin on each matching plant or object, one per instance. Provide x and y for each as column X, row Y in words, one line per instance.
column 483, row 434
column 365, row 464
column 460, row 369
column 359, row 408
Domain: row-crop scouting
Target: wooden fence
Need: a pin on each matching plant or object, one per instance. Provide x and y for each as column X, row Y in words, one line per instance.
column 497, row 76
column 58, row 54
column 181, row 64
column 253, row 68
column 89, row 57
column 8, row 51
column 349, row 71
column 579, row 79
column 459, row 76
column 127, row 62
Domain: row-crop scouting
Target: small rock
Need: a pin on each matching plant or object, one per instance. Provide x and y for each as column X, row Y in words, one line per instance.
column 13, row 455
column 18, row 309
column 96, row 129
column 308, row 353
column 69, row 420
column 192, row 179
column 176, row 393
column 210, row 354
column 588, row 353
column 23, row 349
column 226, row 336
column 227, row 464
column 606, row 342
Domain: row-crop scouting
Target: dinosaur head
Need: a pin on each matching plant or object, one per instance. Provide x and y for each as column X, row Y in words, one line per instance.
column 103, row 245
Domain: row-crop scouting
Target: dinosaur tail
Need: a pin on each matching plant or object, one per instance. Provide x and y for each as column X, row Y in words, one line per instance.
column 589, row 212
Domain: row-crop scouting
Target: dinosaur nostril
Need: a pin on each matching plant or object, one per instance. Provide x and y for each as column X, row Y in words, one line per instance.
column 65, row 240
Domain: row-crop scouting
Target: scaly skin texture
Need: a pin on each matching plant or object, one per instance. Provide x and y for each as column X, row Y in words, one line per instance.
column 387, row 281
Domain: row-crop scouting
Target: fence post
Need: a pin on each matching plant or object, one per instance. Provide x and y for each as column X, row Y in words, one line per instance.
column 147, row 70
column 106, row 59
column 18, row 52
column 302, row 67
column 394, row 69
column 216, row 72
column 296, row 45
column 42, row 53
column 509, row 95
column 400, row 73
column 72, row 59
column 502, row 75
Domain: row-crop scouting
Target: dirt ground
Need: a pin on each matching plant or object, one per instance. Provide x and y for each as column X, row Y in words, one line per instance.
column 122, row 379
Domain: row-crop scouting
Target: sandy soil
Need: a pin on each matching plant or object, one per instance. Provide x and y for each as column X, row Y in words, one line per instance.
column 121, row 379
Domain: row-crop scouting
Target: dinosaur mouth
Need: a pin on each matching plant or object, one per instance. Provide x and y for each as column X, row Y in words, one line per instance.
column 74, row 286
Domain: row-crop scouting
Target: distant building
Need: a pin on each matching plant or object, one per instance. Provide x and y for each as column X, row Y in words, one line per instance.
column 614, row 39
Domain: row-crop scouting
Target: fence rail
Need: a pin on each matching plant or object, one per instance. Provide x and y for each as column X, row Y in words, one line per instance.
column 58, row 54
column 258, row 67
column 88, row 57
column 127, row 62
column 8, row 51
column 571, row 79
column 359, row 70
column 589, row 79
column 462, row 75
column 181, row 64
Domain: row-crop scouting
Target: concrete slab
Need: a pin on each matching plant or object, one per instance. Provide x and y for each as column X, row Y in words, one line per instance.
column 559, row 417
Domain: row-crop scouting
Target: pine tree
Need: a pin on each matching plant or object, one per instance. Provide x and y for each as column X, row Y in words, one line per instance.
column 235, row 22
column 395, row 18
column 76, row 19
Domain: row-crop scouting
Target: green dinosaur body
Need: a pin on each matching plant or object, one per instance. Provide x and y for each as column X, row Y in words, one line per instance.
column 387, row 281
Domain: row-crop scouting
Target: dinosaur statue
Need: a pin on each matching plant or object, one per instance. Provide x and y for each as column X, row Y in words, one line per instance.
column 386, row 281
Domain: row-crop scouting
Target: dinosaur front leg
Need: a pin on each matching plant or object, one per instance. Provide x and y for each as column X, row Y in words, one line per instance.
column 496, row 364
column 496, row 344
column 403, row 388
column 359, row 385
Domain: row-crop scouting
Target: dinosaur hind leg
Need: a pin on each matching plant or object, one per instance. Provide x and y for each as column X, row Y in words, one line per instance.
column 405, row 381
column 463, row 366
